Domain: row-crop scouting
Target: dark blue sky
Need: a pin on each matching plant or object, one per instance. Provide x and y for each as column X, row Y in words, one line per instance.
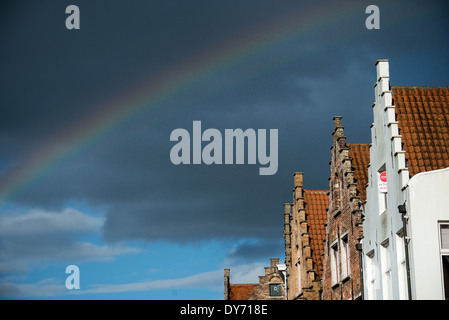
column 286, row 65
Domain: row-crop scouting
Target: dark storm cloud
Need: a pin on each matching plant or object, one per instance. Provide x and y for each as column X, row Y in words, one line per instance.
column 255, row 249
column 54, row 79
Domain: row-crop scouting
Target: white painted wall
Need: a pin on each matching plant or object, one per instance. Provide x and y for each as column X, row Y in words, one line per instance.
column 381, row 227
column 427, row 205
column 427, row 200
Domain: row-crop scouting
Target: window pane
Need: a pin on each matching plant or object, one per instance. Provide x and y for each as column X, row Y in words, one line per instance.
column 275, row 290
column 445, row 236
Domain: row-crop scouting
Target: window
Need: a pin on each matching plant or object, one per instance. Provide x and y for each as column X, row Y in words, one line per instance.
column 383, row 198
column 371, row 276
column 336, row 194
column 444, row 235
column 386, row 270
column 298, row 275
column 335, row 263
column 402, row 267
column 275, row 290
column 345, row 253
column 444, row 250
column 382, row 189
column 445, row 263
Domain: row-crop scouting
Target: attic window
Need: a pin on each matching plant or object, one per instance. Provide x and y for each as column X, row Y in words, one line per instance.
column 275, row 290
column 335, row 263
column 345, row 256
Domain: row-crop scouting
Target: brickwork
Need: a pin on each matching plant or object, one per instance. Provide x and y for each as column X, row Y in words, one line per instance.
column 341, row 263
column 303, row 235
column 257, row 291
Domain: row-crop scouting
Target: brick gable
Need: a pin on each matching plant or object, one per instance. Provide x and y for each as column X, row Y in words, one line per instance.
column 304, row 233
column 341, row 262
column 256, row 291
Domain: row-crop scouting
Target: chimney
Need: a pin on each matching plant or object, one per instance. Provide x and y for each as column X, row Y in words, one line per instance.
column 287, row 232
column 227, row 273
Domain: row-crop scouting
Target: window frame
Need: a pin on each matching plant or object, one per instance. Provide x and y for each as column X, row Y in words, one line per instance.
column 345, row 256
column 402, row 265
column 371, row 275
column 298, row 276
column 335, row 263
column 444, row 252
column 385, row 264
column 274, row 285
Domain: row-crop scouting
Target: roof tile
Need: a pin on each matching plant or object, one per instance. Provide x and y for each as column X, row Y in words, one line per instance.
column 423, row 118
column 359, row 152
column 316, row 204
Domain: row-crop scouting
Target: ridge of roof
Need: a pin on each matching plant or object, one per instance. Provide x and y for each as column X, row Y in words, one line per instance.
column 419, row 87
column 358, row 144
column 316, row 191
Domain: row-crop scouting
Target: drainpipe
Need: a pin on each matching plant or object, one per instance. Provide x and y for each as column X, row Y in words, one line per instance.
column 283, row 268
column 403, row 211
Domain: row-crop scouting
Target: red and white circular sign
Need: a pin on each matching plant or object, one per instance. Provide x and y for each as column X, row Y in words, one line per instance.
column 383, row 176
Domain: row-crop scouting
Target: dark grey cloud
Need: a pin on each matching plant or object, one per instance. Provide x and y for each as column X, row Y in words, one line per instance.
column 53, row 80
column 255, row 250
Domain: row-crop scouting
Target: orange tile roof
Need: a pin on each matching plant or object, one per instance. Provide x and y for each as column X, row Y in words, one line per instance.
column 241, row 291
column 316, row 204
column 359, row 152
column 423, row 119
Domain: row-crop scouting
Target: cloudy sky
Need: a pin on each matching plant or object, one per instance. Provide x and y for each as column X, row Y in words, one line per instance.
column 86, row 117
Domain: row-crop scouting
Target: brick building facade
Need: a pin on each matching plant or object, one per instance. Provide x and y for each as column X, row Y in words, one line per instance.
column 347, row 182
column 271, row 286
column 303, row 237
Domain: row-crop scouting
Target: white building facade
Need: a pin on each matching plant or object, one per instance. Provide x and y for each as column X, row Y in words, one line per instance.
column 427, row 204
column 405, row 242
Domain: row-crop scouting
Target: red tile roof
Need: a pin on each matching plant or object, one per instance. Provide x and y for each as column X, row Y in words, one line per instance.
column 359, row 152
column 316, row 204
column 423, row 119
column 242, row 291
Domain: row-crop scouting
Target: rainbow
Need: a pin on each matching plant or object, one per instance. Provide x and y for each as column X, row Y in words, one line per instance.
column 182, row 77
